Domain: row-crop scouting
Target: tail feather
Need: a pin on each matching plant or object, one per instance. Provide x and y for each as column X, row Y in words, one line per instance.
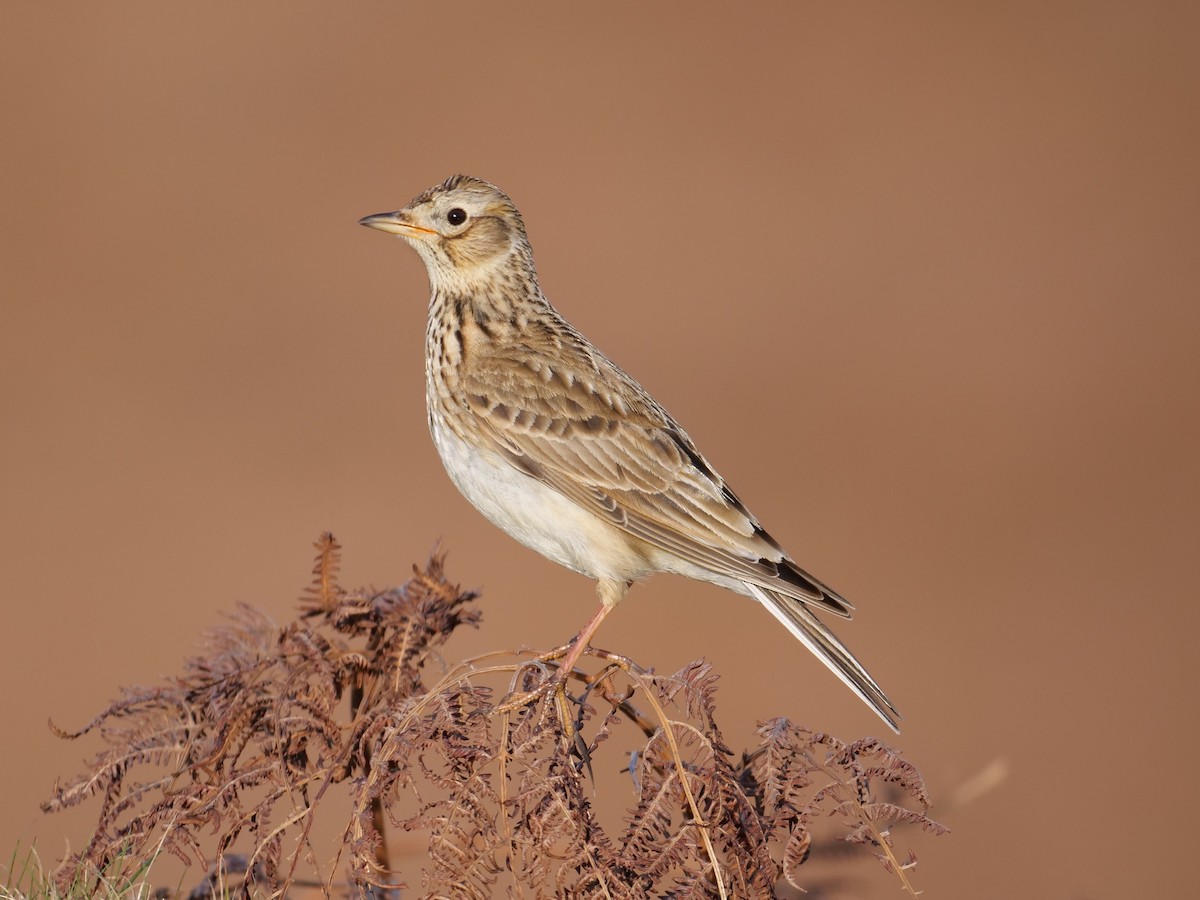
column 824, row 644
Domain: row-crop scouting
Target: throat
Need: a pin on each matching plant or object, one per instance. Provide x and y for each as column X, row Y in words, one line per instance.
column 494, row 311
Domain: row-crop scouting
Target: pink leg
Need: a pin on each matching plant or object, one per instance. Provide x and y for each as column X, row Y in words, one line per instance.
column 585, row 637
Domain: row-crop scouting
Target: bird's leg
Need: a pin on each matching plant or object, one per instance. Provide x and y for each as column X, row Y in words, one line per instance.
column 582, row 640
column 558, row 684
column 610, row 593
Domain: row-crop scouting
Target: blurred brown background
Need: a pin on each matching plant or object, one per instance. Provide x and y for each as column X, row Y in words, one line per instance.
column 922, row 282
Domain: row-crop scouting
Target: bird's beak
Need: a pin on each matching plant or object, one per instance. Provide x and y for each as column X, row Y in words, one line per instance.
column 395, row 223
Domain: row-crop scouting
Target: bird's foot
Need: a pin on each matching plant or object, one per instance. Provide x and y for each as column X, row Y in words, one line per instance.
column 562, row 660
column 539, row 667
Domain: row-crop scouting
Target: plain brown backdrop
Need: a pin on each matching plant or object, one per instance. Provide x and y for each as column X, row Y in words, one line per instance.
column 921, row 280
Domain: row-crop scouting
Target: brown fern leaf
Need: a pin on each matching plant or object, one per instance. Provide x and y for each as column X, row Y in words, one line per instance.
column 324, row 593
column 803, row 776
column 247, row 740
column 487, row 763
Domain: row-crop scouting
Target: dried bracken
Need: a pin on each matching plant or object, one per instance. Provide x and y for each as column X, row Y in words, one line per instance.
column 227, row 766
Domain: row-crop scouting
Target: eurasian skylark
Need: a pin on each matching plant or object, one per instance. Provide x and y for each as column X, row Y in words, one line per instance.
column 558, row 446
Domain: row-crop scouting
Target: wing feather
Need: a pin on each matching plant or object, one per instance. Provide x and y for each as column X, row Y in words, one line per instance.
column 620, row 455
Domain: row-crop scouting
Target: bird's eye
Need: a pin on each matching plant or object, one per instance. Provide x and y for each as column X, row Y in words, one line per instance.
column 456, row 216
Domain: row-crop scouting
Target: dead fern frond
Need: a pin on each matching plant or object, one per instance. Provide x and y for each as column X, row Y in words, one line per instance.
column 227, row 766
column 324, row 593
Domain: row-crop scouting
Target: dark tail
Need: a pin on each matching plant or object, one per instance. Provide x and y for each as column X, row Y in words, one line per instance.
column 824, row 644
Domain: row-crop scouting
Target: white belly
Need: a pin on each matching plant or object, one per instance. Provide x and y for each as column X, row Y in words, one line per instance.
column 538, row 516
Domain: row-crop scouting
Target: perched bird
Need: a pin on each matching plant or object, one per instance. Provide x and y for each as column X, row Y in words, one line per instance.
column 559, row 447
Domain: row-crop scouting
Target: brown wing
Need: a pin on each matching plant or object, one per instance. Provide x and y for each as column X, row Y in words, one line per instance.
column 578, row 423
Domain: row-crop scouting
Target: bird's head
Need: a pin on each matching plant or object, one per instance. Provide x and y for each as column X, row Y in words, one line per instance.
column 465, row 230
